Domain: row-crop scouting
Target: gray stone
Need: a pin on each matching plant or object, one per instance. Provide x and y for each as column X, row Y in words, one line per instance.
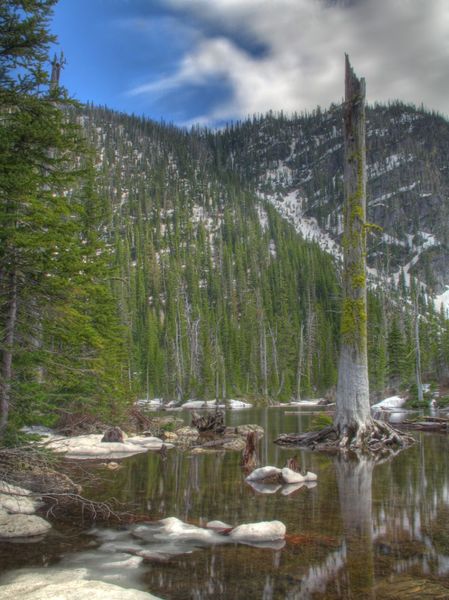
column 14, row 499
column 53, row 584
column 21, row 526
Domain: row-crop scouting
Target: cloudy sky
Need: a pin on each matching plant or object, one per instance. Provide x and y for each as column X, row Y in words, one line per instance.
column 210, row 61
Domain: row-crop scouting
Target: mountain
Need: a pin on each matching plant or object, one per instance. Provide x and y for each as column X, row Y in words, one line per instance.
column 297, row 165
column 220, row 295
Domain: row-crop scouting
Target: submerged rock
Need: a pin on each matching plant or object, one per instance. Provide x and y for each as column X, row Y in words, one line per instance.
column 22, row 526
column 54, row 584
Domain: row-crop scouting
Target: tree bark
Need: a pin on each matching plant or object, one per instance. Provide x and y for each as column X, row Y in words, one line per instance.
column 353, row 407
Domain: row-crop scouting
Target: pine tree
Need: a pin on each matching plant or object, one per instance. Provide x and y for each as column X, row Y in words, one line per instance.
column 59, row 328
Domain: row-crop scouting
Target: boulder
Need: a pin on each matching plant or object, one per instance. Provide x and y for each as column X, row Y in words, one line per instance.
column 22, row 526
column 391, row 402
column 91, row 446
column 290, row 476
column 188, row 432
column 265, row 531
column 243, row 430
column 265, row 474
column 54, row 584
column 114, row 434
column 15, row 499
column 236, row 444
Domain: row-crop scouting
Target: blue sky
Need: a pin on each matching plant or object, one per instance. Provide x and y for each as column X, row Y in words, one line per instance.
column 210, row 61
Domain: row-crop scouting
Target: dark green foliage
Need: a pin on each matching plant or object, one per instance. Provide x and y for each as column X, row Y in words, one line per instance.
column 61, row 342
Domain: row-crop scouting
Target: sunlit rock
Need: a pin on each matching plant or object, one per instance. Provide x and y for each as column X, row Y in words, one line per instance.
column 173, row 527
column 14, row 499
column 258, row 532
column 391, row 402
column 22, row 526
column 64, row 585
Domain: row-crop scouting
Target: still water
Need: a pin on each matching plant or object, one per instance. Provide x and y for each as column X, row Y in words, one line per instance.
column 364, row 531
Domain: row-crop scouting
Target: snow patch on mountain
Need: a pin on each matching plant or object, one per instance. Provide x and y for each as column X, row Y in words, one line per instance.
column 290, row 207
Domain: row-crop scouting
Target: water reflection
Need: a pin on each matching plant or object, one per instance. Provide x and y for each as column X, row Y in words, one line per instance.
column 362, row 532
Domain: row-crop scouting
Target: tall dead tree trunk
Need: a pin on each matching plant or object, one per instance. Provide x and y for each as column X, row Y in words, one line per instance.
column 353, row 428
column 353, row 415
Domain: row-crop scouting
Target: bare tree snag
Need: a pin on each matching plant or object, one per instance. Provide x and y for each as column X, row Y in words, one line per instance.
column 353, row 413
column 353, row 428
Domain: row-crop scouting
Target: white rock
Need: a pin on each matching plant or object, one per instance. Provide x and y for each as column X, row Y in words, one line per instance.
column 91, row 446
column 236, row 404
column 258, row 532
column 173, row 527
column 308, row 403
column 263, row 473
column 391, row 402
column 15, row 499
column 14, row 526
column 53, row 584
column 290, row 476
column 202, row 404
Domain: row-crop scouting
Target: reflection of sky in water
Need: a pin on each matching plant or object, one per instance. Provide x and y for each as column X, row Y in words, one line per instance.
column 348, row 534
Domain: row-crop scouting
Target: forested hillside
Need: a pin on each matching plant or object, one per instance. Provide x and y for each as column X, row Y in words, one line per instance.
column 138, row 258
column 221, row 296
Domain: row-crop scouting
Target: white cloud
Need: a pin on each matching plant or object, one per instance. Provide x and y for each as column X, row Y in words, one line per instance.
column 401, row 47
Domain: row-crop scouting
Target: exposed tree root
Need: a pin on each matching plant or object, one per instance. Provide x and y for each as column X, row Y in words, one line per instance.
column 374, row 438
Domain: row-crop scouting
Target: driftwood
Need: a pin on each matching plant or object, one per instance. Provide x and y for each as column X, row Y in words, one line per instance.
column 213, row 422
column 440, row 424
column 249, row 455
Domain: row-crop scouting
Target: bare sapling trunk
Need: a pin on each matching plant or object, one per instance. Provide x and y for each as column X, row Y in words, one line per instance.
column 7, row 352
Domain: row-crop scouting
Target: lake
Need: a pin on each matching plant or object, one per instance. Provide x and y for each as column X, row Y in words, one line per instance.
column 363, row 531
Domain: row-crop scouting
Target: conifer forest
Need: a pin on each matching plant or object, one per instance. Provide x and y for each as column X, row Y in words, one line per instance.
column 141, row 259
